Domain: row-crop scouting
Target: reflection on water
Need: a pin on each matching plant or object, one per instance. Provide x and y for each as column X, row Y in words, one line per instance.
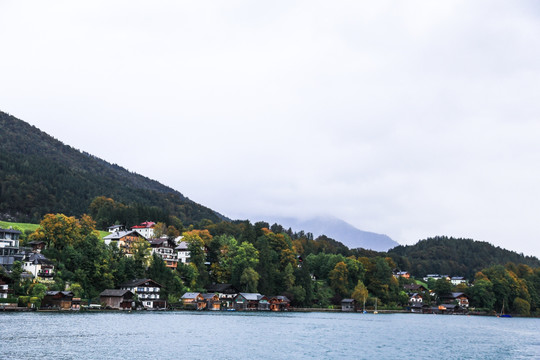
column 226, row 335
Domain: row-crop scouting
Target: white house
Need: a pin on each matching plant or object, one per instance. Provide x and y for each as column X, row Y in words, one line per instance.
column 116, row 228
column 146, row 229
column 183, row 253
column 38, row 265
column 9, row 238
column 456, row 280
column 147, row 291
column 436, row 277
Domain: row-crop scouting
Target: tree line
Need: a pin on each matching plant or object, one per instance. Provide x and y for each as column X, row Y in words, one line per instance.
column 261, row 258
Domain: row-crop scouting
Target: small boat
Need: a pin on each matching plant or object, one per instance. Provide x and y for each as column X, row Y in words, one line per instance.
column 375, row 312
column 502, row 314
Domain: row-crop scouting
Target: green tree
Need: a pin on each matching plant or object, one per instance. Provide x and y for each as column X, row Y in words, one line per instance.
column 339, row 278
column 77, row 290
column 16, row 271
column 37, row 290
column 442, row 287
column 57, row 231
column 297, row 295
column 360, row 294
column 249, row 280
column 288, row 277
column 522, row 307
column 246, row 256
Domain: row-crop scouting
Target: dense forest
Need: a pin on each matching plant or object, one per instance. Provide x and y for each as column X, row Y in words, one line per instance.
column 39, row 174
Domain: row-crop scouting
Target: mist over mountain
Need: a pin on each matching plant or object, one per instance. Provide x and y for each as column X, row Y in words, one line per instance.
column 339, row 230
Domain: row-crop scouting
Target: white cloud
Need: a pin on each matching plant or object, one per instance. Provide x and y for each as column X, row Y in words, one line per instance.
column 411, row 119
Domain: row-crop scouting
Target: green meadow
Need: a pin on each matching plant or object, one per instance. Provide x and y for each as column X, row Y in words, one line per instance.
column 32, row 227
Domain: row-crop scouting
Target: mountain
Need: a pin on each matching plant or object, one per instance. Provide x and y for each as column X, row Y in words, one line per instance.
column 339, row 230
column 39, row 175
column 454, row 257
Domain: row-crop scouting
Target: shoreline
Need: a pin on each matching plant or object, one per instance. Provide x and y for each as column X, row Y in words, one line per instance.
column 298, row 310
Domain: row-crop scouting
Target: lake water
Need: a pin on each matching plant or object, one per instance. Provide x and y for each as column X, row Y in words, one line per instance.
column 227, row 335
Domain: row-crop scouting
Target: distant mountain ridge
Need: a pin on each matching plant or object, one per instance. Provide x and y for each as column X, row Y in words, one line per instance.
column 40, row 174
column 454, row 257
column 339, row 230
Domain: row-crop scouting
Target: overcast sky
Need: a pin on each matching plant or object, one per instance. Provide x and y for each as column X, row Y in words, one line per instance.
column 410, row 118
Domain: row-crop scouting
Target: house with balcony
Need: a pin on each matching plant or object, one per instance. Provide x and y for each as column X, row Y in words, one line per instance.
column 38, row 265
column 182, row 252
column 165, row 250
column 9, row 248
column 9, row 238
column 458, row 298
column 125, row 240
column 147, row 291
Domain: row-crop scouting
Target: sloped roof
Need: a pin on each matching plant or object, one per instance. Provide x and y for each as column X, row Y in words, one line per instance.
column 38, row 258
column 144, row 225
column 208, row 296
column 183, row 246
column 139, row 282
column 159, row 241
column 252, row 296
column 36, row 242
column 115, row 292
column 347, row 300
column 282, row 298
column 11, row 231
column 190, row 295
column 120, row 234
column 413, row 287
column 53, row 293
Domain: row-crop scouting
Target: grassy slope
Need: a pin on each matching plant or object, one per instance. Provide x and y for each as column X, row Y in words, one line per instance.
column 18, row 226
column 33, row 227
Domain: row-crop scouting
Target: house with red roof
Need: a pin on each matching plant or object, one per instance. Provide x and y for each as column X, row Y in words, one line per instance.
column 146, row 229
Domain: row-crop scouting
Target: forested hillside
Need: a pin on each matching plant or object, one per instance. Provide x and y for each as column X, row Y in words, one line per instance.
column 40, row 175
column 454, row 257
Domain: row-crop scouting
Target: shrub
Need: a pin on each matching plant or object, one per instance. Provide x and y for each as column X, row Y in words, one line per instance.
column 522, row 307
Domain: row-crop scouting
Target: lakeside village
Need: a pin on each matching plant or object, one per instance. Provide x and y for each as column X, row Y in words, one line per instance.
column 144, row 294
